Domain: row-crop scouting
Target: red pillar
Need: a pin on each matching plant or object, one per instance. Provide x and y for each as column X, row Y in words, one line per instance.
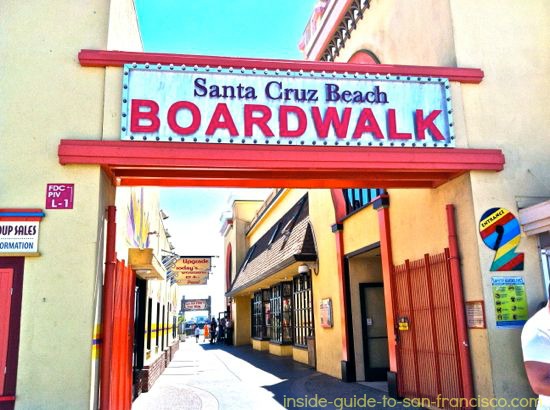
column 130, row 346
column 339, row 234
column 107, row 313
column 458, row 301
column 339, row 214
column 381, row 204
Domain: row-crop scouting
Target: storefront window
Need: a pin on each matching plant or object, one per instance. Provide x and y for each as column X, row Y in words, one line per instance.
column 281, row 316
column 267, row 313
column 261, row 315
column 302, row 310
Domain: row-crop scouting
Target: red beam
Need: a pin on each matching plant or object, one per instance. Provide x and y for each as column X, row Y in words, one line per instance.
column 128, row 173
column 104, row 58
column 272, row 183
column 273, row 158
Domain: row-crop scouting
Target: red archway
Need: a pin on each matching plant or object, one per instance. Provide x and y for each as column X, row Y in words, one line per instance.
column 135, row 163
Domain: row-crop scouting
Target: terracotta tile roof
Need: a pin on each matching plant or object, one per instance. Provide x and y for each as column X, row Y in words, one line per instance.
column 289, row 240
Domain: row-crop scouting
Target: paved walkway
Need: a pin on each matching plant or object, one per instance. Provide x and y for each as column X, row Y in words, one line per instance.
column 212, row 377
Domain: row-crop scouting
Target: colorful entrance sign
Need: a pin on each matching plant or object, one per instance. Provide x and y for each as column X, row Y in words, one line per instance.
column 500, row 231
column 260, row 106
column 510, row 301
column 19, row 231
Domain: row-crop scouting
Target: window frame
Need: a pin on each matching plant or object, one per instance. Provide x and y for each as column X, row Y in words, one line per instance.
column 303, row 325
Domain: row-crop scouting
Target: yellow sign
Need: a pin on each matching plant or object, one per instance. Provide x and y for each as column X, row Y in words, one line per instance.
column 403, row 323
column 510, row 301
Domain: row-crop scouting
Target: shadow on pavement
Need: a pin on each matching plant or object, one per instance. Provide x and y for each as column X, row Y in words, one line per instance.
column 305, row 388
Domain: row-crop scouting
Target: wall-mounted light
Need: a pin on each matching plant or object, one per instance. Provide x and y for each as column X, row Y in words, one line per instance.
column 305, row 268
column 163, row 214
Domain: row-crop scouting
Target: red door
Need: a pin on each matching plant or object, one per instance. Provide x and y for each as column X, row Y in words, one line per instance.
column 427, row 349
column 6, row 283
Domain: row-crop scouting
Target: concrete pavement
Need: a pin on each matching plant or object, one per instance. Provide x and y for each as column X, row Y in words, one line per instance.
column 212, row 377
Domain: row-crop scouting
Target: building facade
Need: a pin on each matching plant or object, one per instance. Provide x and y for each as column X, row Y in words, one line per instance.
column 446, row 265
column 62, row 95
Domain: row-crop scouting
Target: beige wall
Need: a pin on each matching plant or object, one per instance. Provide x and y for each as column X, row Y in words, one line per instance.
column 328, row 341
column 405, row 32
column 46, row 96
column 361, row 229
column 509, row 111
column 241, row 317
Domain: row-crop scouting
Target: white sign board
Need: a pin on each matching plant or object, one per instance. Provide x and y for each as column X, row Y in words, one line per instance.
column 19, row 237
column 243, row 106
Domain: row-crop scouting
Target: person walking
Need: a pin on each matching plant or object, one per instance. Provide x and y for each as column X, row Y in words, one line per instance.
column 535, row 343
column 197, row 333
column 206, row 331
column 221, row 331
column 213, row 326
column 229, row 332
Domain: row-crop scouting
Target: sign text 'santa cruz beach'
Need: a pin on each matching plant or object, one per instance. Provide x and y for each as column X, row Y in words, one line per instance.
column 242, row 106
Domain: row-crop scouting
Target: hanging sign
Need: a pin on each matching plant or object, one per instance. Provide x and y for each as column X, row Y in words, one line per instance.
column 500, row 231
column 200, row 278
column 19, row 231
column 196, row 304
column 194, row 265
column 510, row 301
column 283, row 107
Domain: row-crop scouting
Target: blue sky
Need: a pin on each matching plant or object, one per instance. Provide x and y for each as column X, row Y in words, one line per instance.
column 236, row 28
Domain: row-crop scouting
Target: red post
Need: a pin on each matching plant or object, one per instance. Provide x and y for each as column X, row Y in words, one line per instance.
column 339, row 214
column 458, row 301
column 382, row 206
column 107, row 313
column 130, row 346
column 342, row 291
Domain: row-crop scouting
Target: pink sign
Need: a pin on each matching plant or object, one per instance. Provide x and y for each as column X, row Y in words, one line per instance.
column 59, row 196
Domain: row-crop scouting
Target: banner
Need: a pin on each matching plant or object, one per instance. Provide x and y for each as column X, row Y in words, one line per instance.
column 284, row 107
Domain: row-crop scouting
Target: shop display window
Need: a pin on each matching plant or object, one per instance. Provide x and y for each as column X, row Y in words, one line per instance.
column 281, row 313
column 261, row 315
column 302, row 316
